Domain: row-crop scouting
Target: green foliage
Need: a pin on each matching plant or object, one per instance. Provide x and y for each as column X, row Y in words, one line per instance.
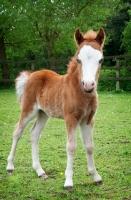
column 107, row 85
column 126, row 42
column 115, row 25
column 112, row 154
column 15, row 28
column 46, row 27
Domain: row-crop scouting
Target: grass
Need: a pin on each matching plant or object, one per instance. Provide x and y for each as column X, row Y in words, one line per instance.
column 112, row 137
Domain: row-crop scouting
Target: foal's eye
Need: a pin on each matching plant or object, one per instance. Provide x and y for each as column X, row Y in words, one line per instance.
column 101, row 60
column 78, row 61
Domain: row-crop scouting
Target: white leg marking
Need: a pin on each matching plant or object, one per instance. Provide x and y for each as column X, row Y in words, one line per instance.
column 19, row 129
column 35, row 135
column 17, row 133
column 70, row 148
column 87, row 136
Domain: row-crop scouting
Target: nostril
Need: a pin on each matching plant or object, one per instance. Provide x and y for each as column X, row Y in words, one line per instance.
column 92, row 84
column 83, row 83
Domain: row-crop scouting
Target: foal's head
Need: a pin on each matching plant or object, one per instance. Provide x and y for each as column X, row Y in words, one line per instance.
column 91, row 56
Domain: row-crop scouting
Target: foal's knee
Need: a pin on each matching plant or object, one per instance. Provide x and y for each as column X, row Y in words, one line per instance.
column 71, row 148
column 89, row 148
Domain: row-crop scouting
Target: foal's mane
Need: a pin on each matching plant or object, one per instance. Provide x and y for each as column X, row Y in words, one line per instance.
column 89, row 36
column 72, row 64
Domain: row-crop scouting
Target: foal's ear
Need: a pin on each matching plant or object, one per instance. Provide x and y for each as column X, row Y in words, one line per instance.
column 100, row 38
column 78, row 37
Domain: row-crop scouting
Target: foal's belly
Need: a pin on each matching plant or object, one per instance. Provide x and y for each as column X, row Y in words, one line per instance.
column 57, row 113
column 51, row 104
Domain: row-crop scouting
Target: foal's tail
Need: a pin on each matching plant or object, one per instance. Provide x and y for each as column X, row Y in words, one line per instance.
column 20, row 84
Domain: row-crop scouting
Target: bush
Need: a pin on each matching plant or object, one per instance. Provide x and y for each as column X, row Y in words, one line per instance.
column 111, row 85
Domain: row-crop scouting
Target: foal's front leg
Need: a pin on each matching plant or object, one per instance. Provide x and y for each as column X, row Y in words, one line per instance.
column 70, row 149
column 87, row 136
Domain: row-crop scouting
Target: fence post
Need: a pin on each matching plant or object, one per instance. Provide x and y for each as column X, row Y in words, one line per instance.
column 117, row 74
column 32, row 65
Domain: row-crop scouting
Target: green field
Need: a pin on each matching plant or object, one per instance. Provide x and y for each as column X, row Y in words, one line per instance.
column 112, row 138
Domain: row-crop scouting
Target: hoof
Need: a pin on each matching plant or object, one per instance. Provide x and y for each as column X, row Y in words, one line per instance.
column 10, row 171
column 44, row 176
column 69, row 188
column 99, row 183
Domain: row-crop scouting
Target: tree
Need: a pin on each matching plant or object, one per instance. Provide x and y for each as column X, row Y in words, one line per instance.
column 126, row 40
column 115, row 25
column 13, row 32
column 5, row 14
column 55, row 23
column 46, row 27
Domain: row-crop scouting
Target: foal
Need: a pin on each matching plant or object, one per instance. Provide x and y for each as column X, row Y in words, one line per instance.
column 71, row 97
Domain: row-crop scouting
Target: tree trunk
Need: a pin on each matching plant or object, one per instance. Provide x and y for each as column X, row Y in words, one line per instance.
column 3, row 62
column 52, row 57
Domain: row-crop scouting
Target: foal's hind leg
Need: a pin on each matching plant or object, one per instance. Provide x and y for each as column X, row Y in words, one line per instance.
column 87, row 136
column 35, row 135
column 18, row 131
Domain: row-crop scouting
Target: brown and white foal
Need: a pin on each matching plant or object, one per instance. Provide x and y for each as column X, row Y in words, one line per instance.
column 72, row 97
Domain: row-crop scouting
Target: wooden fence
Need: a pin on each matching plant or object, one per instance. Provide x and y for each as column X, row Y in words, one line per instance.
column 117, row 69
column 33, row 65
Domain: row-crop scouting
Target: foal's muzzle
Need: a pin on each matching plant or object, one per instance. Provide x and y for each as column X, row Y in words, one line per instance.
column 88, row 88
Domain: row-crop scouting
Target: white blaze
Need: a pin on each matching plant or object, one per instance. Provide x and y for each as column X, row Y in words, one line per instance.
column 90, row 58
